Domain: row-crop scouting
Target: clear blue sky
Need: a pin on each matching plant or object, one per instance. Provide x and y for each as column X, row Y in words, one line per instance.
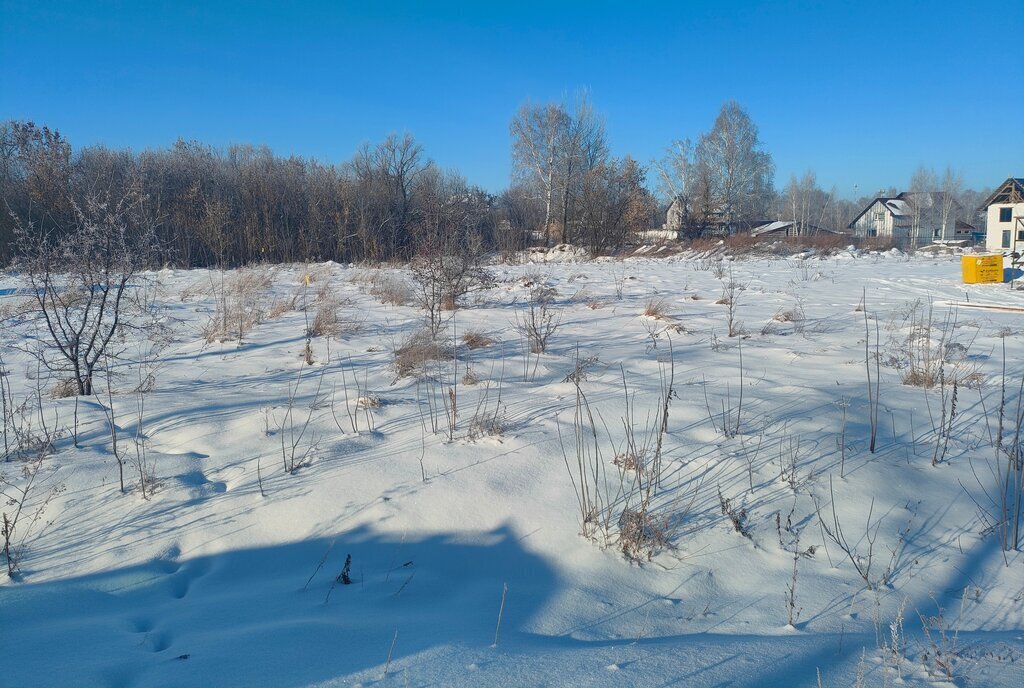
column 860, row 92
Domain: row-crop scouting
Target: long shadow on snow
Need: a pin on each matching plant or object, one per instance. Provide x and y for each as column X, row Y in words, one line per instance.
column 244, row 618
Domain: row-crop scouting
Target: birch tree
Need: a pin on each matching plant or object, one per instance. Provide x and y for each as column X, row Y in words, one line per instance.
column 740, row 170
column 922, row 182
column 949, row 208
column 537, row 131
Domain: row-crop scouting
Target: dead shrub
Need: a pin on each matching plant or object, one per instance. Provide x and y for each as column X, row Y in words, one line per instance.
column 656, row 308
column 326, row 322
column 417, row 350
column 475, row 339
column 487, row 424
column 540, row 319
column 627, row 461
column 281, row 306
column 823, row 242
column 391, row 290
column 64, row 388
column 239, row 304
column 642, row 534
column 369, row 401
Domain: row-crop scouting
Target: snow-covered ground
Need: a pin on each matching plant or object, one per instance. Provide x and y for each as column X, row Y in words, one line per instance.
column 227, row 574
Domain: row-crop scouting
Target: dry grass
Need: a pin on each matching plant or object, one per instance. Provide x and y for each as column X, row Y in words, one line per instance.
column 17, row 309
column 64, row 389
column 284, row 305
column 418, row 349
column 792, row 315
column 240, row 297
column 656, row 308
column 369, row 401
column 475, row 339
column 327, row 321
column 392, row 290
column 643, row 534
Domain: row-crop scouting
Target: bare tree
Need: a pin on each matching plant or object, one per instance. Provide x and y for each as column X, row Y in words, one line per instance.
column 615, row 204
column 922, row 184
column 952, row 185
column 804, row 202
column 536, row 133
column 675, row 172
column 581, row 149
column 79, row 278
column 741, row 173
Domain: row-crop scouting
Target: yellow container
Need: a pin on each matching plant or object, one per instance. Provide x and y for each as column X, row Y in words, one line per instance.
column 982, row 269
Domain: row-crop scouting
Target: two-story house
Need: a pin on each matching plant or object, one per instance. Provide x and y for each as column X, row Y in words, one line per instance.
column 1004, row 217
column 913, row 217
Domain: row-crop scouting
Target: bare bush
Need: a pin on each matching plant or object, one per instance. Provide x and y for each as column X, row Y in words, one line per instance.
column 240, row 301
column 620, row 508
column 1004, row 486
column 475, row 339
column 293, row 424
column 861, row 552
column 444, row 271
column 391, row 290
column 736, row 514
column 26, row 487
column 79, row 279
column 327, row 321
column 941, row 654
column 540, row 320
column 656, row 308
column 731, row 293
column 418, row 349
column 488, row 420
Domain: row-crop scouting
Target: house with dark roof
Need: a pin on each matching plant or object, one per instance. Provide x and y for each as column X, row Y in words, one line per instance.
column 1004, row 217
column 887, row 218
column 913, row 217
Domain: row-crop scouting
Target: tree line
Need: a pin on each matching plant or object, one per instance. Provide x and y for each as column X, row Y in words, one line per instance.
column 203, row 206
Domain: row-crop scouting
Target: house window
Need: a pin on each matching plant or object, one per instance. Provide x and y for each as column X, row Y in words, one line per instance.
column 872, row 232
column 936, row 233
column 1005, row 214
column 1006, row 238
column 1020, row 235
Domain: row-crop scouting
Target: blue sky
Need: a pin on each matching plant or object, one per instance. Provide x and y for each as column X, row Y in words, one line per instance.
column 860, row 92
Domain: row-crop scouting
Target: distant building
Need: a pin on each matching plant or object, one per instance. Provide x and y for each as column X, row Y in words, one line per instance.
column 675, row 216
column 788, row 228
column 913, row 217
column 1004, row 217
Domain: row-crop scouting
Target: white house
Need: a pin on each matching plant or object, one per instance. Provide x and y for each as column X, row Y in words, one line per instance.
column 888, row 218
column 1004, row 217
column 917, row 217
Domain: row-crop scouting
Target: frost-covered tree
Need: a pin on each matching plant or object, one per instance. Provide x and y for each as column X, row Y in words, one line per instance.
column 739, row 170
column 79, row 277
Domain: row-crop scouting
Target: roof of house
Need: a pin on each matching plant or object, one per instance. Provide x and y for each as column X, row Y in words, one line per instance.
column 776, row 226
column 898, row 207
column 927, row 199
column 784, row 225
column 1010, row 191
column 894, row 205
